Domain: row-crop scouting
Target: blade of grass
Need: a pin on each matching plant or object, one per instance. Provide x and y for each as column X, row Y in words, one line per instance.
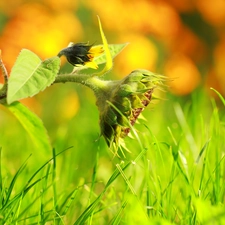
column 38, row 170
column 90, row 209
column 126, row 180
column 169, row 190
column 202, row 175
column 117, row 218
column 93, row 181
column 156, row 143
column 33, row 202
column 220, row 96
column 54, row 180
column 11, row 186
column 204, row 148
column 69, row 201
column 185, row 128
column 44, row 187
column 1, row 186
column 14, row 201
column 210, row 179
column 93, row 184
column 10, row 205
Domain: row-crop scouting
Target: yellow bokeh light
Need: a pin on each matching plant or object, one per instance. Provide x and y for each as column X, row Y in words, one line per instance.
column 62, row 5
column 68, row 106
column 144, row 16
column 212, row 11
column 140, row 53
column 36, row 28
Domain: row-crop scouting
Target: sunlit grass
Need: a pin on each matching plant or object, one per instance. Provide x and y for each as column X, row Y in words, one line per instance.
column 174, row 175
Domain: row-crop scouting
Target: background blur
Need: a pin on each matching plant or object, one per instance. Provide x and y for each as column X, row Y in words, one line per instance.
column 184, row 40
column 181, row 39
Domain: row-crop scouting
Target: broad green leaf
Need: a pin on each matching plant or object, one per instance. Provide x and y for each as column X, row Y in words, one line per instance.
column 30, row 75
column 32, row 124
column 115, row 49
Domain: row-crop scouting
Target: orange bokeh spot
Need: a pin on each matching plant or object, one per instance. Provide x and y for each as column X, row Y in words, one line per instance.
column 8, row 7
column 140, row 53
column 183, row 74
column 187, row 43
column 36, row 28
column 212, row 81
column 62, row 5
column 182, row 6
column 156, row 17
column 219, row 62
column 213, row 11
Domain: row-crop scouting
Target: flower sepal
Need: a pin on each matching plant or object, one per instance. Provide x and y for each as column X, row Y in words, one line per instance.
column 121, row 102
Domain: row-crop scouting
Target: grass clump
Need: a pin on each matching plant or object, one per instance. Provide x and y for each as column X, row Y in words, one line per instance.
column 174, row 173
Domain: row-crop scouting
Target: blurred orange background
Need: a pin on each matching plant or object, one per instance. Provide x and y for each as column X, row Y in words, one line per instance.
column 184, row 40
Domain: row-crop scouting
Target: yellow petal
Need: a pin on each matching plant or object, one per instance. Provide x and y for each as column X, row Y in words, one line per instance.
column 91, row 64
column 96, row 50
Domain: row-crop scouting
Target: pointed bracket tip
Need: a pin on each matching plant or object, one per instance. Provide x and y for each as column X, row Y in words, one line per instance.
column 109, row 61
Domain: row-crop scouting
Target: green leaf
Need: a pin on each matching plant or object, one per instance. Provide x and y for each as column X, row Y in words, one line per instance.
column 33, row 126
column 115, row 49
column 30, row 75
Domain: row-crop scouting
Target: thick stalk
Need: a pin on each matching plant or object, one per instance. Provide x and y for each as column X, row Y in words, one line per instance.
column 94, row 83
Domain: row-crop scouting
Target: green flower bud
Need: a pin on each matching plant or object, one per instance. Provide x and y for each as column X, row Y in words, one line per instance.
column 121, row 102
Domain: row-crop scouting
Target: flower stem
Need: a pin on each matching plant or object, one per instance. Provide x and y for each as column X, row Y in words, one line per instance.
column 4, row 88
column 95, row 83
column 3, row 69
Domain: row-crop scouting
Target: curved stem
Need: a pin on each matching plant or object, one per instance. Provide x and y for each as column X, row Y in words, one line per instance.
column 3, row 69
column 3, row 90
column 95, row 83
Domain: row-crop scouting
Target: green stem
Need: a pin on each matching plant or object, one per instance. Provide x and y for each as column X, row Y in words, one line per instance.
column 4, row 71
column 3, row 90
column 3, row 94
column 99, row 86
column 94, row 83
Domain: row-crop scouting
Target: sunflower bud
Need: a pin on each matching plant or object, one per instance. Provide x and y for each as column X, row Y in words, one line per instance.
column 82, row 54
column 122, row 101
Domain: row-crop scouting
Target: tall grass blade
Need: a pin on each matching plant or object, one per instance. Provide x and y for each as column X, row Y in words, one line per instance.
column 1, row 186
column 68, row 201
column 118, row 217
column 90, row 209
column 220, row 96
column 185, row 128
column 202, row 151
column 38, row 170
column 9, row 192
column 54, row 180
column 126, row 179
